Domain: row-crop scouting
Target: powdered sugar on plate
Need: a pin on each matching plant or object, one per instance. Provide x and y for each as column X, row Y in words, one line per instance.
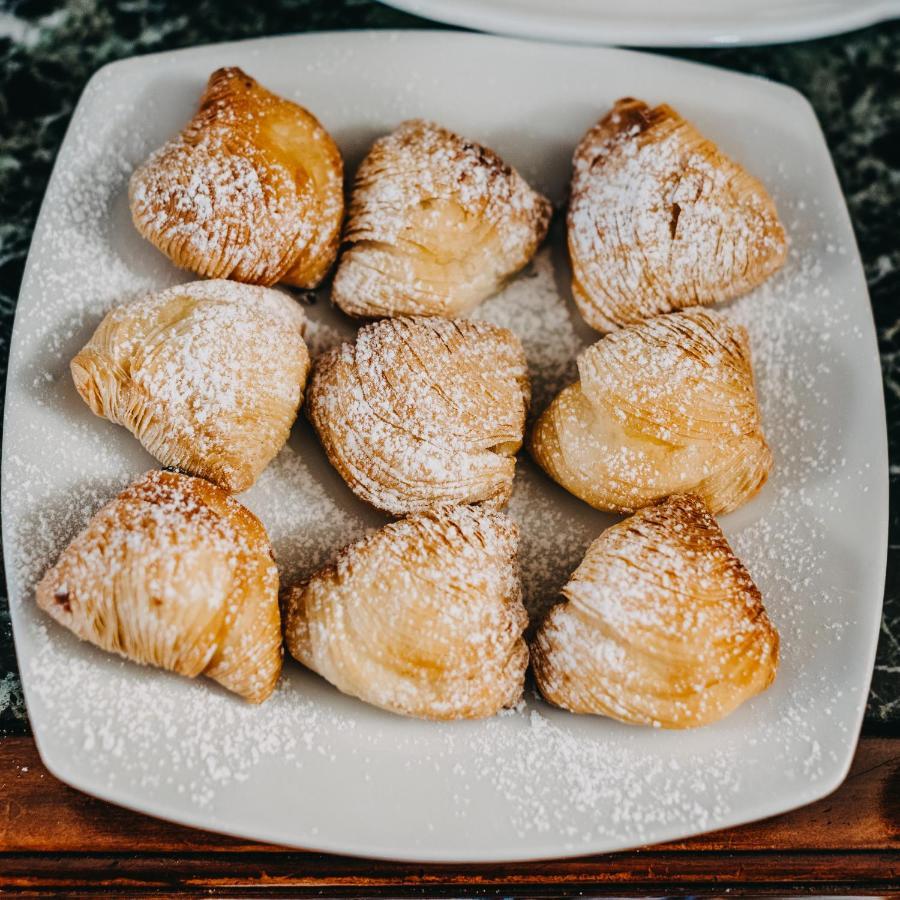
column 313, row 767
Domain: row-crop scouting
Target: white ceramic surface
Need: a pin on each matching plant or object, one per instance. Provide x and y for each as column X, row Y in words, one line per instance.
column 658, row 23
column 313, row 768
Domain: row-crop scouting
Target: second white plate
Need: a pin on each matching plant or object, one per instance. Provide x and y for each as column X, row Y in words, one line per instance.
column 316, row 769
column 658, row 23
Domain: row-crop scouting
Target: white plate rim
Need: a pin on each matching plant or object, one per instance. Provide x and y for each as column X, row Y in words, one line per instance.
column 765, row 808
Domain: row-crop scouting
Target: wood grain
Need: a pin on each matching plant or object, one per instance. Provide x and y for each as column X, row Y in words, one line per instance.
column 52, row 838
column 312, row 871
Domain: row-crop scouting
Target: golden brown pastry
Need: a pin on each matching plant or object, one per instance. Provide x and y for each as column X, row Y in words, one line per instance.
column 174, row 573
column 659, row 220
column 208, row 376
column 661, row 624
column 252, row 189
column 423, row 617
column 664, row 407
column 423, row 412
column 436, row 225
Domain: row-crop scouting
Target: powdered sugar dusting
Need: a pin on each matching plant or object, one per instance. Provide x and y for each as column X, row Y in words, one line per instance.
column 533, row 308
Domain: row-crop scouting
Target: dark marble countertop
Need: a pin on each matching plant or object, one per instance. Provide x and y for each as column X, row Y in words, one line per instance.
column 48, row 50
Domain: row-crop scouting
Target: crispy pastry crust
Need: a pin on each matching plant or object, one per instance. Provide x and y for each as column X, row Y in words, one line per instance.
column 661, row 625
column 423, row 412
column 664, row 407
column 422, row 618
column 251, row 190
column 659, row 220
column 174, row 573
column 436, row 225
column 208, row 376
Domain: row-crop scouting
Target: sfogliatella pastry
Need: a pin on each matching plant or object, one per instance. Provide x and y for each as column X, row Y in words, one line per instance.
column 660, row 219
column 423, row 617
column 252, row 189
column 208, row 376
column 174, row 573
column 423, row 412
column 436, row 225
column 661, row 624
column 668, row 406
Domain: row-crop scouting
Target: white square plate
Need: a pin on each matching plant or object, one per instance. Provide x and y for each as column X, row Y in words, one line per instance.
column 658, row 23
column 313, row 768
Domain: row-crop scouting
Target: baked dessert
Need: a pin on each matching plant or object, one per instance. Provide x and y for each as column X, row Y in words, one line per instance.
column 174, row 573
column 252, row 189
column 436, row 224
column 208, row 376
column 668, row 406
column 660, row 219
column 423, row 412
column 422, row 618
column 661, row 624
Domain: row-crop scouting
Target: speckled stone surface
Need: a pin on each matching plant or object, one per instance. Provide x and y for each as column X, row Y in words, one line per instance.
column 48, row 50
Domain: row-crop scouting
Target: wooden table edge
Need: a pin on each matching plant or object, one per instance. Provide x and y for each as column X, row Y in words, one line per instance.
column 53, row 838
